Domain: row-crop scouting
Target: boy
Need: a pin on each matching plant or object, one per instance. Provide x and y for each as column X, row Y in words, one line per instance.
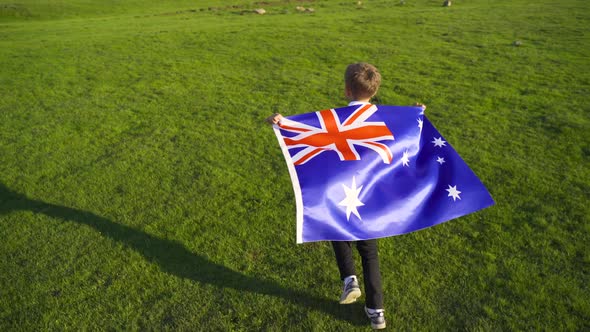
column 362, row 81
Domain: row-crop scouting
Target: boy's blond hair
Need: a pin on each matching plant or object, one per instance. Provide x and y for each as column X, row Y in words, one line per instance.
column 362, row 80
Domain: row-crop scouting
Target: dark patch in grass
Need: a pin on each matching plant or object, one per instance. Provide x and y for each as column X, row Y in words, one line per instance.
column 243, row 8
column 168, row 322
column 179, row 12
column 108, row 282
column 14, row 10
column 550, row 124
column 173, row 258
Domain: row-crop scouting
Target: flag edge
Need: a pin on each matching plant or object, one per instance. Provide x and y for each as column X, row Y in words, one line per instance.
column 294, row 182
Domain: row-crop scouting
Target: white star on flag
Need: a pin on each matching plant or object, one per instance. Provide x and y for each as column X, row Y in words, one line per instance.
column 420, row 123
column 439, row 142
column 440, row 160
column 352, row 199
column 405, row 159
column 453, row 192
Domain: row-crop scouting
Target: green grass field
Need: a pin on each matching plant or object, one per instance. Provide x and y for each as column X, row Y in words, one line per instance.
column 141, row 190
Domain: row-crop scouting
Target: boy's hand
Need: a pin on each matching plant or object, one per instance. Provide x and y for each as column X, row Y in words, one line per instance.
column 421, row 105
column 274, row 119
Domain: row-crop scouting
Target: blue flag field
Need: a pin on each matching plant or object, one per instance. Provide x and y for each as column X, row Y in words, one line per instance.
column 371, row 171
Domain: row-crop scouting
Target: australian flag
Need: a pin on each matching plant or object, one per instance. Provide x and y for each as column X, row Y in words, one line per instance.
column 371, row 171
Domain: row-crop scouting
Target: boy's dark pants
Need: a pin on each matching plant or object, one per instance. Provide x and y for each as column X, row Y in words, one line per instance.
column 371, row 275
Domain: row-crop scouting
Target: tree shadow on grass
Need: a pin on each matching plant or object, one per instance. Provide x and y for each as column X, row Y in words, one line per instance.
column 174, row 258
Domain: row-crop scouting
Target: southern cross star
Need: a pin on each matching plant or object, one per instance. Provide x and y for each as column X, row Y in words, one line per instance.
column 453, row 192
column 440, row 160
column 405, row 159
column 352, row 199
column 439, row 142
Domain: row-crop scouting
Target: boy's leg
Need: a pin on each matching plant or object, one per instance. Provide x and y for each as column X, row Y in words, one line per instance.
column 372, row 276
column 351, row 290
column 343, row 252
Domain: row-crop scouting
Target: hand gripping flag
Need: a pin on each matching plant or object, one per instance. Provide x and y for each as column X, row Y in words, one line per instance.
column 365, row 172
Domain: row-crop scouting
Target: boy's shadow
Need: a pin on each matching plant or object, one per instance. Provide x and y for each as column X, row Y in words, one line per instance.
column 174, row 258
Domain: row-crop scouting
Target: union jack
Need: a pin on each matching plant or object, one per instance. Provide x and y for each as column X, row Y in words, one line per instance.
column 341, row 137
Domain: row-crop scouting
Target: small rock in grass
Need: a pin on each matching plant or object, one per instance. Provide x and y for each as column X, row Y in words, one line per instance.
column 309, row 10
column 517, row 43
column 447, row 3
column 260, row 11
column 300, row 9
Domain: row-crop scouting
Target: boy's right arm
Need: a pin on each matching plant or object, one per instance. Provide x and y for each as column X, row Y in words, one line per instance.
column 274, row 119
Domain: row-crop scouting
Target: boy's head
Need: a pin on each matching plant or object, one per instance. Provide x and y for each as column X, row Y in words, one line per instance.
column 361, row 81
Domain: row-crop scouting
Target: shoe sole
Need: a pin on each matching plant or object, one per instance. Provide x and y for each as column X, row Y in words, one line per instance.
column 351, row 297
column 378, row 326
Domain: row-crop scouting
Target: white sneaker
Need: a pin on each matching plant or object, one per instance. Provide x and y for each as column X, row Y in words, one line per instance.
column 377, row 317
column 350, row 291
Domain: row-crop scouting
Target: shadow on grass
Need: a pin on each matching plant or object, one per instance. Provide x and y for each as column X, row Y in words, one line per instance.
column 175, row 259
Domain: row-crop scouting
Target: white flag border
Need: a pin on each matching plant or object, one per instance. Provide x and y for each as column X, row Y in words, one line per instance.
column 294, row 182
